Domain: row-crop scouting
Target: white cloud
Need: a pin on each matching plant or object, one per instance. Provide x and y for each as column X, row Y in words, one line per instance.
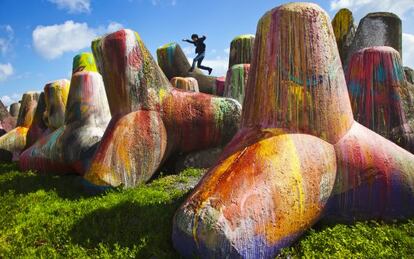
column 73, row 6
column 6, row 38
column 6, row 70
column 408, row 50
column 54, row 40
column 7, row 100
column 362, row 7
column 164, row 2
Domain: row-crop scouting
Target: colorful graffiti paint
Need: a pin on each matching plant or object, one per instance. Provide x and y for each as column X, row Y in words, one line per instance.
column 344, row 30
column 70, row 148
column 174, row 63
column 38, row 128
column 7, row 121
column 241, row 50
column 140, row 94
column 377, row 29
column 236, row 81
column 14, row 141
column 380, row 97
column 299, row 155
column 185, row 83
column 56, row 96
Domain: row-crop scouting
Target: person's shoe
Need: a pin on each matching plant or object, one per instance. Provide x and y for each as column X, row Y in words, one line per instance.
column 209, row 71
column 191, row 70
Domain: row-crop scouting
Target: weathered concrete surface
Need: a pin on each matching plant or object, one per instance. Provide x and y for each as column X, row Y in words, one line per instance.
column 198, row 159
column 14, row 109
column 138, row 90
column 14, row 141
column 381, row 98
column 174, row 63
column 7, row 122
column 56, row 96
column 185, row 83
column 344, row 30
column 297, row 154
column 377, row 29
column 38, row 128
column 70, row 148
column 409, row 74
column 241, row 50
column 236, row 81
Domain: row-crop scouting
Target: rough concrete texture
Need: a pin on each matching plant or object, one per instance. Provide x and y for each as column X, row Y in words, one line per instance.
column 84, row 62
column 409, row 74
column 377, row 29
column 14, row 109
column 38, row 128
column 297, row 154
column 241, row 50
column 174, row 63
column 381, row 98
column 56, row 96
column 71, row 147
column 236, row 81
column 199, row 159
column 14, row 141
column 344, row 30
column 7, row 122
column 219, row 89
column 185, row 83
column 166, row 120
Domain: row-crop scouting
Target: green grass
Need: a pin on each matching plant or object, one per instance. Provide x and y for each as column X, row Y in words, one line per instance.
column 53, row 217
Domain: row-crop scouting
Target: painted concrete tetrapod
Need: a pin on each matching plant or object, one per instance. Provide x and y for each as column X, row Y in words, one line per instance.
column 69, row 148
column 241, row 52
column 151, row 119
column 344, row 30
column 14, row 141
column 174, row 63
column 236, row 81
column 14, row 109
column 185, row 83
column 409, row 74
column 7, row 121
column 381, row 98
column 299, row 155
column 377, row 29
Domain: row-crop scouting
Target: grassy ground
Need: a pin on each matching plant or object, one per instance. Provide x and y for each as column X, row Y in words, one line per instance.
column 51, row 216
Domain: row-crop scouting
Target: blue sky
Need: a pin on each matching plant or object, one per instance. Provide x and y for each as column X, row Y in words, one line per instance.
column 38, row 38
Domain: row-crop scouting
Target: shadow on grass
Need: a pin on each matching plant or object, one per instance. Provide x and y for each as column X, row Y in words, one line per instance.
column 144, row 228
column 66, row 186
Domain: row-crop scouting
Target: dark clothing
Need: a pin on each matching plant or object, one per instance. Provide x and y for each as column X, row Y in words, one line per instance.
column 198, row 59
column 199, row 43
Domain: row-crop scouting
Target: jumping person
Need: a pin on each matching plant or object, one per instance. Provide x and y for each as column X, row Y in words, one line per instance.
column 200, row 51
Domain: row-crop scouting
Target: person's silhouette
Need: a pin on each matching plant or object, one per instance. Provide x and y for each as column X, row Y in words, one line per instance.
column 200, row 51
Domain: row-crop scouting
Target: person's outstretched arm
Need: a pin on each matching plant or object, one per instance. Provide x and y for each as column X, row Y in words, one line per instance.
column 203, row 38
column 189, row 41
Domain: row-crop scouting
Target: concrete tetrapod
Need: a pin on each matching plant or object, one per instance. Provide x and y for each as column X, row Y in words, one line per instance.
column 298, row 151
column 7, row 121
column 185, row 83
column 14, row 109
column 38, row 128
column 14, row 141
column 69, row 148
column 241, row 50
column 236, row 81
column 409, row 74
column 381, row 98
column 377, row 29
column 151, row 119
column 174, row 63
column 344, row 30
